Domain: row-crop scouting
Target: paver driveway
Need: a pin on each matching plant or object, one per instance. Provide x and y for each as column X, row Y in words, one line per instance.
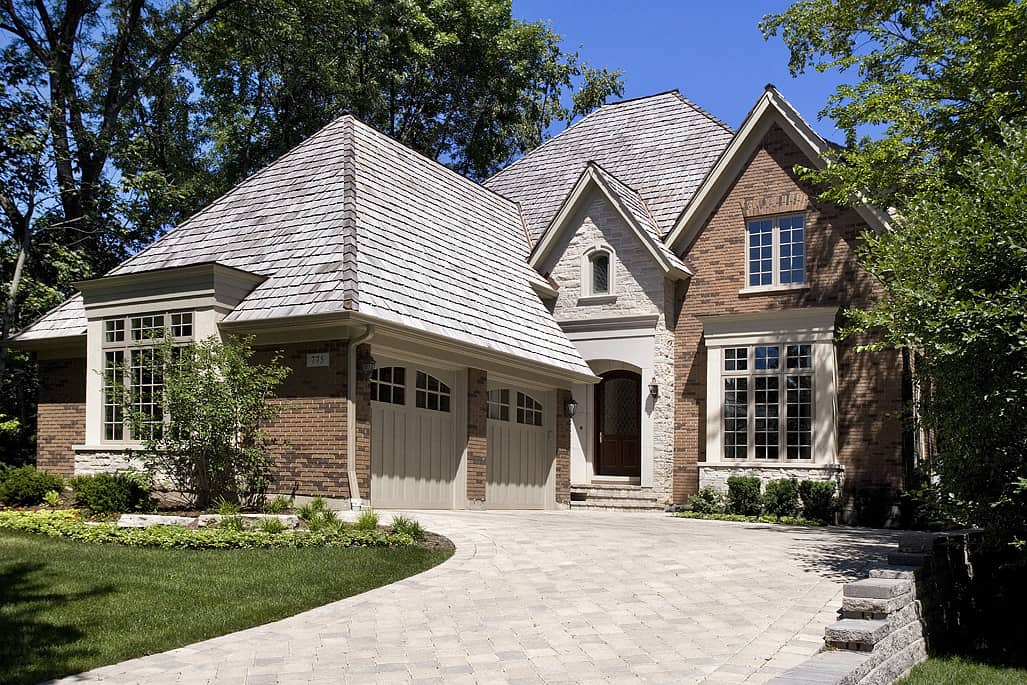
column 555, row 597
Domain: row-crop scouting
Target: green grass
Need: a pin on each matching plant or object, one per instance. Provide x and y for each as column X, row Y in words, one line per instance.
column 955, row 671
column 68, row 606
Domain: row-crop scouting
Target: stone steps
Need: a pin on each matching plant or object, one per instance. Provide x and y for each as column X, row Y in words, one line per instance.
column 614, row 496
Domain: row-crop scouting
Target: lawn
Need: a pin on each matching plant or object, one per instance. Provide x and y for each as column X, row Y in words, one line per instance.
column 67, row 606
column 954, row 671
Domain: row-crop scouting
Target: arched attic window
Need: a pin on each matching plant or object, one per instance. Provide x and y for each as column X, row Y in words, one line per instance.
column 597, row 272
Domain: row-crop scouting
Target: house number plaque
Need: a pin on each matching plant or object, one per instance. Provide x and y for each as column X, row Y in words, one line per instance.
column 317, row 359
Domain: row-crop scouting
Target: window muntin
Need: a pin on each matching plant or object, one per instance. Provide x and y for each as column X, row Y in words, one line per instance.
column 499, row 404
column 768, row 406
column 529, row 411
column 776, row 251
column 388, row 384
column 113, row 385
column 600, row 267
column 431, row 393
column 114, row 331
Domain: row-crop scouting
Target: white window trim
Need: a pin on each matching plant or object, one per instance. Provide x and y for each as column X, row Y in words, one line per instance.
column 814, row 326
column 587, row 296
column 775, row 285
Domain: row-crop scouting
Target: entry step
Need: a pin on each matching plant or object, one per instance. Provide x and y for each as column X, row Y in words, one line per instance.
column 616, row 496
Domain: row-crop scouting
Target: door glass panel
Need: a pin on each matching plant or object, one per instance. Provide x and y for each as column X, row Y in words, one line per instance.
column 621, row 410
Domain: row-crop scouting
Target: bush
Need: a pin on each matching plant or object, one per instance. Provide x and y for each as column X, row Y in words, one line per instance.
column 318, row 516
column 26, row 487
column 368, row 520
column 272, row 526
column 707, row 501
column 403, row 524
column 743, row 495
column 52, row 498
column 279, row 505
column 781, row 497
column 818, row 501
column 109, row 493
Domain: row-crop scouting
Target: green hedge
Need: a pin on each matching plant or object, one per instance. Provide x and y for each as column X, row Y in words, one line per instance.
column 25, row 487
column 68, row 523
column 743, row 496
column 106, row 493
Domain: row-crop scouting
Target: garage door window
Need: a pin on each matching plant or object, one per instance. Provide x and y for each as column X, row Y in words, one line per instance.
column 529, row 411
column 499, row 404
column 431, row 393
column 388, row 384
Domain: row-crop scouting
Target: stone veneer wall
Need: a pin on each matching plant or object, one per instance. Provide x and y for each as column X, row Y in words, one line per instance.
column 716, row 475
column 640, row 289
column 61, row 414
column 869, row 391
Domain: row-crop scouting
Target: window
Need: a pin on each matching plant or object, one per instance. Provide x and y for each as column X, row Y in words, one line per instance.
column 767, row 407
column 499, row 404
column 431, row 393
column 600, row 273
column 388, row 384
column 776, row 252
column 128, row 354
column 528, row 410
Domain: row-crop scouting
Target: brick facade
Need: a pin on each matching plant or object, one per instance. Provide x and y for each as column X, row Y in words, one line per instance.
column 477, row 434
column 869, row 391
column 61, row 418
column 309, row 453
column 563, row 448
column 362, row 404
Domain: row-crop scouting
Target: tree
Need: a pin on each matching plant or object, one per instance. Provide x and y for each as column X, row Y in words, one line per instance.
column 208, row 440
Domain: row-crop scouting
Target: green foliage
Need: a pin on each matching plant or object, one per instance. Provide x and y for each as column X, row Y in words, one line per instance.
column 318, row 516
column 708, row 500
column 278, row 505
column 739, row 518
column 367, row 520
column 69, row 524
column 271, row 525
column 781, row 497
column 109, row 493
column 743, row 496
column 956, row 671
column 52, row 498
column 408, row 526
column 26, row 487
column 216, row 402
column 818, row 500
column 230, row 522
column 226, row 508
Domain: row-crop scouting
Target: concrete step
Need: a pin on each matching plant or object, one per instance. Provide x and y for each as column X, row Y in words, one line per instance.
column 903, row 572
column 878, row 588
column 857, row 634
column 875, row 607
column 617, row 504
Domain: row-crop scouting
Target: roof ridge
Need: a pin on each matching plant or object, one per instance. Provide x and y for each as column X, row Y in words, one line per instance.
column 700, row 110
column 350, row 243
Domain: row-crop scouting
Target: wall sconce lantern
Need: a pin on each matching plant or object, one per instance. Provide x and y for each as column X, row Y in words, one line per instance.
column 367, row 367
column 571, row 407
column 654, row 391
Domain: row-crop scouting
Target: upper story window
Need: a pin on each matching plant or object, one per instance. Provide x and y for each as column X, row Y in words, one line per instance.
column 388, row 384
column 600, row 263
column 431, row 393
column 776, row 252
column 128, row 355
column 598, row 278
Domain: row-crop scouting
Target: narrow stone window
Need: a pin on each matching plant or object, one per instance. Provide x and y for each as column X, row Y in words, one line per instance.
column 600, row 273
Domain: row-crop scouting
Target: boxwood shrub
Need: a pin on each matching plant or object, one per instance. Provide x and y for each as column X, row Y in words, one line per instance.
column 26, row 487
column 106, row 493
column 818, row 501
column 708, row 500
column 743, row 496
column 781, row 497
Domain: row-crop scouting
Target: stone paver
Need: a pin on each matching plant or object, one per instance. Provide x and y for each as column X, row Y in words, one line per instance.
column 557, row 597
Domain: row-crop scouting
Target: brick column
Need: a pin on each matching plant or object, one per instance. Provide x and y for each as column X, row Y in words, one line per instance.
column 362, row 402
column 563, row 448
column 477, row 435
column 61, row 417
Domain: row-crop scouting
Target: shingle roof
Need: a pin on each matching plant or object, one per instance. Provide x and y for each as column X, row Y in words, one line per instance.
column 661, row 146
column 351, row 220
column 64, row 320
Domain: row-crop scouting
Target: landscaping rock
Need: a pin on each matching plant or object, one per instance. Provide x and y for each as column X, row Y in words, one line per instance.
column 147, row 520
column 250, row 521
column 878, row 588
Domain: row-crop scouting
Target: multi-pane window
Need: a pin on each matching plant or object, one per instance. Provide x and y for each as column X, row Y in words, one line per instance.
column 776, row 251
column 431, row 393
column 529, row 411
column 767, row 405
column 499, row 404
column 388, row 384
column 600, row 273
column 130, row 379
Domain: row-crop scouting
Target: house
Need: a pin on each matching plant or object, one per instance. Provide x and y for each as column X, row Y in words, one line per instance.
column 646, row 304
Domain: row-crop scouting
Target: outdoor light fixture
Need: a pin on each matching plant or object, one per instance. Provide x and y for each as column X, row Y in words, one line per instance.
column 367, row 367
column 571, row 406
column 654, row 390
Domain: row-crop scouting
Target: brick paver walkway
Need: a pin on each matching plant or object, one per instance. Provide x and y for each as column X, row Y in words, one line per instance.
column 557, row 597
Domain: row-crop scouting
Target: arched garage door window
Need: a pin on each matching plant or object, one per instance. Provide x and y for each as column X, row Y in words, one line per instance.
column 431, row 393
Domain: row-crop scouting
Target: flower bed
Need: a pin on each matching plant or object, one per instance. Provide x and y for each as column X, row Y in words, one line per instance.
column 785, row 520
column 68, row 523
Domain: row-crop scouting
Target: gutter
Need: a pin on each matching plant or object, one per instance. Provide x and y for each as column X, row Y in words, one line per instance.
column 351, row 414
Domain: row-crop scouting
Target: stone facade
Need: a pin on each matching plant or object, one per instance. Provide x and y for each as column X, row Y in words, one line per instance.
column 89, row 461
column 477, row 436
column 61, row 418
column 716, row 475
column 869, row 390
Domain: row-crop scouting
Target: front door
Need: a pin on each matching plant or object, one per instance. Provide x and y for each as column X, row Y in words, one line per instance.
column 619, row 424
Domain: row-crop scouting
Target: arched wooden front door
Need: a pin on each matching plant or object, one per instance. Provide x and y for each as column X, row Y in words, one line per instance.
column 619, row 424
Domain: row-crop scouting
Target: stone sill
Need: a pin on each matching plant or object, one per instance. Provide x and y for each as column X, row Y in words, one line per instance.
column 769, row 465
column 772, row 289
column 597, row 299
column 112, row 448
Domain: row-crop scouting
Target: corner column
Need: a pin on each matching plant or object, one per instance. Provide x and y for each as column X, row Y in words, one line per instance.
column 563, row 448
column 362, row 404
column 477, row 437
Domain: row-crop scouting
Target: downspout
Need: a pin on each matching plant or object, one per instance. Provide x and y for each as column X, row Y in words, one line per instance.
column 351, row 414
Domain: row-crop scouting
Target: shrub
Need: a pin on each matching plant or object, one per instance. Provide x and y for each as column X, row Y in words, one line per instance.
column 781, row 497
column 108, row 493
column 404, row 524
column 709, row 500
column 52, row 498
column 272, row 526
column 226, row 508
column 368, row 520
column 318, row 516
column 818, row 501
column 279, row 505
column 743, row 495
column 26, row 487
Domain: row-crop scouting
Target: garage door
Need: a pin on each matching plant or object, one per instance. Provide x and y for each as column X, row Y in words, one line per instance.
column 518, row 464
column 413, row 456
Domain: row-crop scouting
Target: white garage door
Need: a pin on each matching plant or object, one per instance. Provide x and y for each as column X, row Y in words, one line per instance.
column 413, row 456
column 518, row 463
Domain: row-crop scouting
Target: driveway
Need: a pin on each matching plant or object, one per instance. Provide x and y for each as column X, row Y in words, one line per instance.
column 557, row 597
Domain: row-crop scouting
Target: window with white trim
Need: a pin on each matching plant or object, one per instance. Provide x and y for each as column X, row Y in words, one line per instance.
column 775, row 252
column 499, row 404
column 529, row 410
column 388, row 384
column 431, row 393
column 599, row 268
column 767, row 407
column 128, row 371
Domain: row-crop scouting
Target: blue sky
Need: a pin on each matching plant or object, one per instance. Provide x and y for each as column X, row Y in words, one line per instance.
column 712, row 52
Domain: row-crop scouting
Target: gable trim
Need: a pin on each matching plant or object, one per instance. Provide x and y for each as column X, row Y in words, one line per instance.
column 772, row 108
